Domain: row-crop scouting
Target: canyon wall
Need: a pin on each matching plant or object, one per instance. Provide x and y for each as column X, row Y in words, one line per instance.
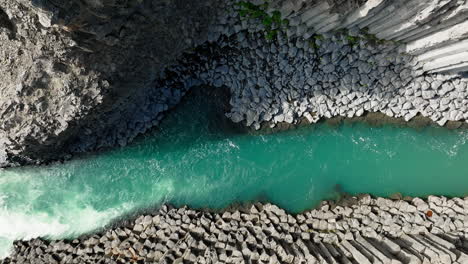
column 85, row 75
column 69, row 66
column 435, row 31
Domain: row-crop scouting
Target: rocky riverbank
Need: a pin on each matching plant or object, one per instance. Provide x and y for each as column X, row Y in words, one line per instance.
column 355, row 230
column 287, row 82
column 287, row 79
column 284, row 80
column 87, row 76
column 74, row 68
column 372, row 119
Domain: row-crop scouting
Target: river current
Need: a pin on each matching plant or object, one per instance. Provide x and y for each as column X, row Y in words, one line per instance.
column 195, row 159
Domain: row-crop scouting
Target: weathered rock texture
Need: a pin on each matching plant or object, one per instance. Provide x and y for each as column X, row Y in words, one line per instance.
column 436, row 30
column 359, row 230
column 286, row 80
column 83, row 75
column 78, row 67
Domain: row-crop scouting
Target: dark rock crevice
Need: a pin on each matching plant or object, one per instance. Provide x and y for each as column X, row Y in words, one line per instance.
column 7, row 24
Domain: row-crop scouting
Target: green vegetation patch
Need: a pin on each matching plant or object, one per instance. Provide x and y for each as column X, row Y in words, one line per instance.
column 273, row 22
column 352, row 40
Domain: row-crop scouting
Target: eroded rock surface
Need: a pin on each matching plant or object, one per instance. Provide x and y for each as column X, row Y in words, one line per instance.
column 84, row 75
column 69, row 65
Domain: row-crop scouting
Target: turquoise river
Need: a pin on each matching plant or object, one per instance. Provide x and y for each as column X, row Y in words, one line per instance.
column 194, row 158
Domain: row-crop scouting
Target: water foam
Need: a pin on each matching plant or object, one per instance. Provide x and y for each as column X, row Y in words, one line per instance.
column 23, row 215
column 41, row 202
column 70, row 222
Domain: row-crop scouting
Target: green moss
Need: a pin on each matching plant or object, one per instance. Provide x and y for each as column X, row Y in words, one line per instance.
column 352, row 40
column 318, row 37
column 272, row 22
column 374, row 39
column 314, row 45
column 364, row 35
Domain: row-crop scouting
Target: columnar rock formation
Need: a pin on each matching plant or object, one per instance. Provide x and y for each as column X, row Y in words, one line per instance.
column 83, row 75
column 331, row 75
column 360, row 230
column 434, row 31
column 78, row 73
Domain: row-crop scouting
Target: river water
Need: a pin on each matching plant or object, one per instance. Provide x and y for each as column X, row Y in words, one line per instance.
column 194, row 158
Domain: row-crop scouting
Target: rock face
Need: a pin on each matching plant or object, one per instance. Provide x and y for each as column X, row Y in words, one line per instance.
column 288, row 79
column 358, row 230
column 84, row 75
column 69, row 66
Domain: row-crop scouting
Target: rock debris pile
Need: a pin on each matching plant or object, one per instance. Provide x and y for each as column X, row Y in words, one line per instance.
column 360, row 230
